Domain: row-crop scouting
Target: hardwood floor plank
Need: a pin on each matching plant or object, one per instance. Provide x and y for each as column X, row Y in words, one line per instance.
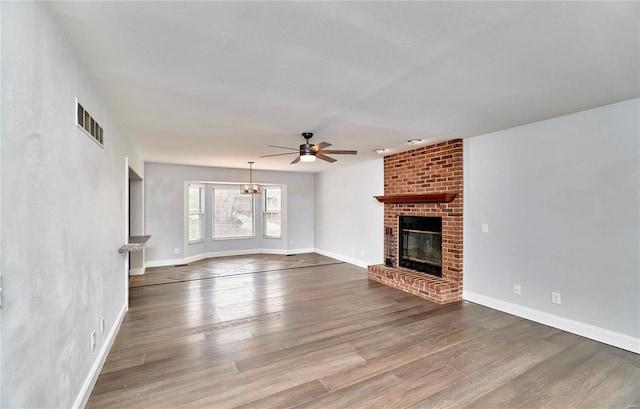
column 123, row 363
column 353, row 394
column 378, row 365
column 515, row 337
column 552, row 371
column 409, row 392
column 149, row 391
column 271, row 331
column 620, row 389
column 240, row 387
column 305, row 392
column 237, row 392
column 159, row 371
column 464, row 347
column 582, row 381
column 484, row 381
column 508, row 396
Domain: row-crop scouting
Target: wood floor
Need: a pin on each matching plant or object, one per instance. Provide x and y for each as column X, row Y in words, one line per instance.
column 308, row 331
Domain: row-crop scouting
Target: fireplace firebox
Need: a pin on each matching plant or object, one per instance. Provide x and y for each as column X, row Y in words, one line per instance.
column 421, row 244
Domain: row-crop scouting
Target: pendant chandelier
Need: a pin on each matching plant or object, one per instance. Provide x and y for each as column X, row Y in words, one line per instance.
column 251, row 188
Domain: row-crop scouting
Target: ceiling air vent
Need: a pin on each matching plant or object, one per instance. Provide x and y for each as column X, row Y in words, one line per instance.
column 90, row 126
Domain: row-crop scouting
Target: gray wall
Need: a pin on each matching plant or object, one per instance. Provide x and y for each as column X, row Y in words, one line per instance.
column 165, row 212
column 349, row 221
column 561, row 198
column 62, row 216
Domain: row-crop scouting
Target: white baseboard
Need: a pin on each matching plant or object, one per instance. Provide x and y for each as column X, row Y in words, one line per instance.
column 136, row 271
column 576, row 327
column 198, row 257
column 288, row 251
column 350, row 260
column 90, row 381
column 166, row 262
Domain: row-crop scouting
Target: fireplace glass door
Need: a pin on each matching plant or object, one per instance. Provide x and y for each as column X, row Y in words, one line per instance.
column 421, row 244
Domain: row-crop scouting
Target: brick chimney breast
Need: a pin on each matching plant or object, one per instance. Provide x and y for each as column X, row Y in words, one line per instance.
column 429, row 169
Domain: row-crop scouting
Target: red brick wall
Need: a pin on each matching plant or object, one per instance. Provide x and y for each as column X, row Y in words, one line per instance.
column 429, row 169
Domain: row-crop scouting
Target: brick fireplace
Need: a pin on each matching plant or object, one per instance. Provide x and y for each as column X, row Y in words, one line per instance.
column 425, row 182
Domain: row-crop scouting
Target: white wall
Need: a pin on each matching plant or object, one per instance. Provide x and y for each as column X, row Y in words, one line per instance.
column 63, row 217
column 165, row 214
column 349, row 221
column 561, row 198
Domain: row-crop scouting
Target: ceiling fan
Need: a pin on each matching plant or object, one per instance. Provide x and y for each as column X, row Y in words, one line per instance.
column 308, row 152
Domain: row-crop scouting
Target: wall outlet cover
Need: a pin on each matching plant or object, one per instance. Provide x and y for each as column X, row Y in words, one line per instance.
column 93, row 340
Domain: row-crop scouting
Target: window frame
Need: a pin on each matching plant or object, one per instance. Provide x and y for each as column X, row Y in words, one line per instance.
column 233, row 189
column 265, row 212
column 202, row 214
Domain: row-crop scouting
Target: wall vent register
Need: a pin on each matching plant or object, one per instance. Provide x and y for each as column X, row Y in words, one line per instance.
column 88, row 124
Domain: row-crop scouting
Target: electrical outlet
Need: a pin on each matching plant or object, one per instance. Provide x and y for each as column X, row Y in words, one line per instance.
column 102, row 325
column 485, row 228
column 517, row 289
column 555, row 298
column 177, row 250
column 93, row 340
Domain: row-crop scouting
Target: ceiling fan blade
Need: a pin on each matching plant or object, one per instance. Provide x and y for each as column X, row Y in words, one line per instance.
column 319, row 155
column 321, row 145
column 339, row 152
column 282, row 147
column 279, row 154
column 296, row 160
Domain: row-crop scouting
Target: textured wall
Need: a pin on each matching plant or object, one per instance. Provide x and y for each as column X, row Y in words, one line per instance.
column 561, row 199
column 63, row 215
column 348, row 219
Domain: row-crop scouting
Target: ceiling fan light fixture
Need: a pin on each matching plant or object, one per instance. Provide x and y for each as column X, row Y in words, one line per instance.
column 309, row 152
column 414, row 141
column 380, row 151
column 251, row 188
column 308, row 157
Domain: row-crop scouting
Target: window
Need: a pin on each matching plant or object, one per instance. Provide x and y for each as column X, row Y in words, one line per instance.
column 196, row 214
column 272, row 212
column 232, row 214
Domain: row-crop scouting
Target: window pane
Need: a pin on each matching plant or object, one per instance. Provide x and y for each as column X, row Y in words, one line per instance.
column 196, row 213
column 232, row 214
column 272, row 226
column 272, row 199
column 196, row 199
column 196, row 227
column 272, row 207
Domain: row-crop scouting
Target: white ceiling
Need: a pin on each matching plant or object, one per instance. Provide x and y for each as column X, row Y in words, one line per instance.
column 215, row 83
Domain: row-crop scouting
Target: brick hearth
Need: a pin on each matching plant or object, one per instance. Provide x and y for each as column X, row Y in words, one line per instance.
column 430, row 169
